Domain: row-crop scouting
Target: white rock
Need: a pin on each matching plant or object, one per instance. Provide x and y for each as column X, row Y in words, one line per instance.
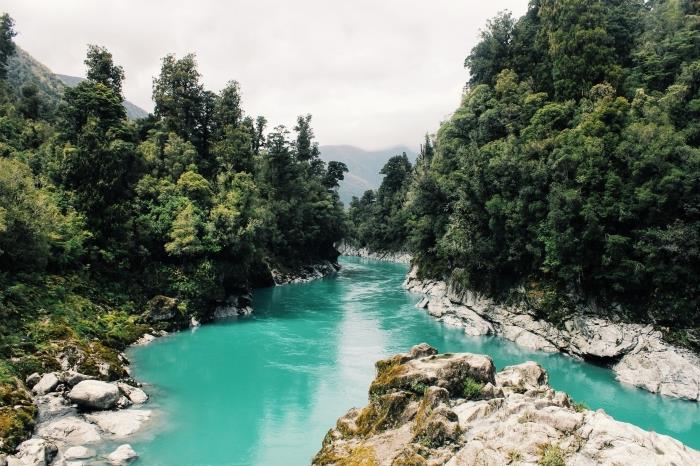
column 34, row 452
column 144, row 340
column 120, row 424
column 52, row 405
column 69, row 430
column 47, row 384
column 526, row 376
column 78, row 453
column 94, row 394
column 135, row 394
column 122, row 455
column 668, row 372
column 643, row 358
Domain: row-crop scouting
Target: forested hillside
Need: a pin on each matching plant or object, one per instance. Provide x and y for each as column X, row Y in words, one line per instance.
column 570, row 173
column 26, row 74
column 102, row 218
column 364, row 167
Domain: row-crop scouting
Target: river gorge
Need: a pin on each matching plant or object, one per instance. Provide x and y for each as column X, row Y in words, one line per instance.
column 264, row 389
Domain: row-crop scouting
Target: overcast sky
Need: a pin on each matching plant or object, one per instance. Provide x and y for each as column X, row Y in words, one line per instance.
column 374, row 73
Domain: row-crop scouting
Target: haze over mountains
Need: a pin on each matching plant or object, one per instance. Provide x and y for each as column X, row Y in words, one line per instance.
column 363, row 166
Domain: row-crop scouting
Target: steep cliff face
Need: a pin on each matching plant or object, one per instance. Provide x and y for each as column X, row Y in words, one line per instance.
column 427, row 408
column 637, row 353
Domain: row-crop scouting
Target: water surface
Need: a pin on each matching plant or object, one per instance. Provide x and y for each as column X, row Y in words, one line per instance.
column 264, row 390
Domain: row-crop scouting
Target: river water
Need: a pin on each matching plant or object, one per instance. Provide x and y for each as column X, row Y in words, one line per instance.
column 265, row 389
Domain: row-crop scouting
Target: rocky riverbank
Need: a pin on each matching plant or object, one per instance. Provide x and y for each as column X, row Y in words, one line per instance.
column 81, row 417
column 305, row 273
column 351, row 251
column 636, row 353
column 455, row 409
column 77, row 417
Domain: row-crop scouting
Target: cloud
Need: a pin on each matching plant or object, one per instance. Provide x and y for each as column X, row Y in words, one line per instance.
column 374, row 73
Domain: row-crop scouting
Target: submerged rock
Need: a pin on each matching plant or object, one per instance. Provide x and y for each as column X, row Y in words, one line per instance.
column 636, row 353
column 94, row 394
column 122, row 455
column 120, row 424
column 509, row 417
column 134, row 394
column 78, row 453
column 69, row 430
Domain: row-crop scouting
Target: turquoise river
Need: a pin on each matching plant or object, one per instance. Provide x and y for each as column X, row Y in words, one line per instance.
column 265, row 389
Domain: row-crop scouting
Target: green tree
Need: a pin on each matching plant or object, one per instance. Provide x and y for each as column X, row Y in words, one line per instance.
column 101, row 69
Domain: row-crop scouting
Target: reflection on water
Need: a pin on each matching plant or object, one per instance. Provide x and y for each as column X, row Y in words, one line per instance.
column 263, row 390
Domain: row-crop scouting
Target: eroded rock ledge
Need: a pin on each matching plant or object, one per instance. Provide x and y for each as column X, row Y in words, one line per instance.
column 637, row 353
column 454, row 409
column 351, row 251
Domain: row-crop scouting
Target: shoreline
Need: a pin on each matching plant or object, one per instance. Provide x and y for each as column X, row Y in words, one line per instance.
column 398, row 257
column 636, row 353
column 69, row 434
column 455, row 408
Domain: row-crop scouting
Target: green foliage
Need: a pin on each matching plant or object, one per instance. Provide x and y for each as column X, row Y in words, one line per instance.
column 569, row 175
column 99, row 214
column 551, row 456
column 7, row 45
column 471, row 389
column 379, row 219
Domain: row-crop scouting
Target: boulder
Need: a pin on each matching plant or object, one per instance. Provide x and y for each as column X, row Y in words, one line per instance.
column 522, row 377
column 94, row 394
column 70, row 430
column 32, row 379
column 122, row 455
column 449, row 371
column 73, row 378
column 134, row 394
column 120, row 424
column 34, row 452
column 78, row 453
column 46, row 384
column 666, row 371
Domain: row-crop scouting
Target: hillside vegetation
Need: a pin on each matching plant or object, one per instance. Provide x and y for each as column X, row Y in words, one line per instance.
column 570, row 173
column 110, row 226
column 364, row 167
column 25, row 72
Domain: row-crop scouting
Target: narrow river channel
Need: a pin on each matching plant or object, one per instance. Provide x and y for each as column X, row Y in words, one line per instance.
column 263, row 390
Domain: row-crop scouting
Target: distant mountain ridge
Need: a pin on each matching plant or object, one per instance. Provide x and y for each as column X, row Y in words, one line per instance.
column 24, row 69
column 363, row 166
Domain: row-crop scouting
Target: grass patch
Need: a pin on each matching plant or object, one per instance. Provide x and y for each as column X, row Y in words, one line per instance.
column 551, row 456
column 580, row 407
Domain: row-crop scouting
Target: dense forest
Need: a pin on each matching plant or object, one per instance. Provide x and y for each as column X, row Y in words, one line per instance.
column 102, row 218
column 569, row 176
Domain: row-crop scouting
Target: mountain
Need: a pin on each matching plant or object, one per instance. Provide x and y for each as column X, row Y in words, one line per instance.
column 363, row 166
column 24, row 69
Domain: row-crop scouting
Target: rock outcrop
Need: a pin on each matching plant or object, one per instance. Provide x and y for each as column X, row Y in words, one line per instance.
column 385, row 256
column 65, row 435
column 122, row 455
column 637, row 353
column 454, row 409
column 305, row 273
